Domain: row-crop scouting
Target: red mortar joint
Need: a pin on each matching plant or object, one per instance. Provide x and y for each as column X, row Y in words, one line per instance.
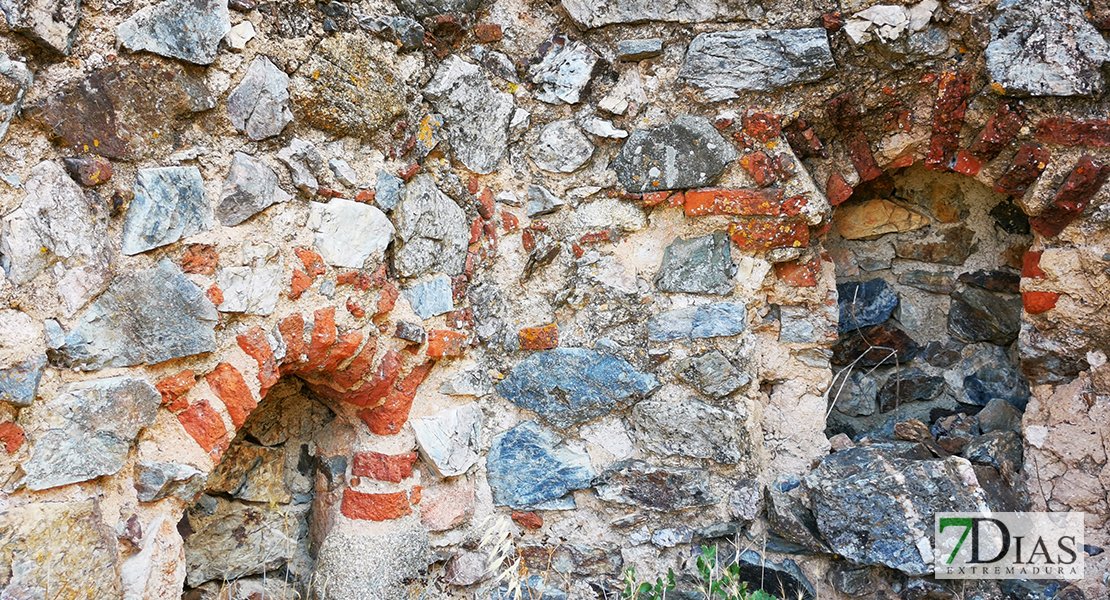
column 844, row 114
column 528, row 520
column 1031, row 265
column 1029, row 162
column 797, row 274
column 313, row 262
column 948, row 117
column 355, row 308
column 758, row 234
column 215, row 295
column 257, row 346
column 804, row 141
column 445, row 343
column 383, row 467
column 200, row 259
column 374, row 507
column 407, row 173
column 12, row 437
column 1036, row 303
column 762, row 125
column 229, row 386
column 999, row 131
column 742, row 202
column 298, row 284
column 1070, row 132
column 487, row 33
column 204, row 425
column 1074, row 196
column 539, row 338
column 174, row 387
column 837, row 189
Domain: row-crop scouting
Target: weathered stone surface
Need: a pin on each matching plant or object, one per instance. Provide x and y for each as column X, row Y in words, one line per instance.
column 562, row 69
column 601, row 127
column 638, row 483
column 350, row 234
column 346, row 88
column 875, row 345
column 529, row 465
column 249, row 188
column 691, row 428
column 63, row 547
column 712, row 374
column 639, row 49
column 999, row 449
column 405, row 32
column 687, row 153
column 954, row 247
column 1046, row 48
column 145, row 317
column 15, row 79
column 388, row 191
column 429, row 8
column 569, row 386
column 1085, row 180
column 88, row 170
column 252, row 473
column 843, row 111
column 87, row 430
column 182, row 29
column 701, row 265
column 468, row 382
column 542, row 202
column 721, row 319
column 590, row 14
column 169, row 204
column 561, row 147
column 252, row 289
column 857, row 396
column 20, row 383
column 1029, row 162
column 432, row 231
column 360, row 566
column 232, row 539
column 981, row 316
column 808, row 325
column 477, row 115
column 431, row 298
column 791, row 521
column 875, row 508
column 908, row 385
column 988, row 375
column 259, row 105
column 999, row 415
column 864, row 304
column 343, row 172
column 948, row 117
column 448, row 440
column 155, row 480
column 305, row 163
column 727, row 63
column 936, row 282
column 874, row 218
column 52, row 25
column 993, row 281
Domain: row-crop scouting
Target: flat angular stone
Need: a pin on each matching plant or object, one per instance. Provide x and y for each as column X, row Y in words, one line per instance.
column 362, row 566
column 50, row 24
column 147, row 317
column 477, row 115
column 562, row 69
column 791, row 521
column 529, row 465
column 687, row 153
column 639, row 49
column 936, row 282
column 1085, row 180
column 252, row 473
column 250, row 187
column 721, row 319
column 449, row 440
column 388, row 191
column 988, row 375
column 727, row 63
column 343, row 172
column 691, row 428
column 999, row 415
column 155, row 480
column 169, row 204
column 429, row 8
column 908, row 385
column 561, row 148
column 259, row 105
column 569, row 386
column 1029, row 162
column 701, row 265
column 405, row 32
column 808, row 325
column 712, row 374
column 431, row 298
column 874, row 218
column 432, row 231
column 993, row 281
column 598, row 13
column 879, row 344
column 857, row 396
column 233, row 539
column 253, row 290
column 542, row 202
column 20, row 383
column 981, row 316
column 953, row 248
column 999, row 449
column 844, row 112
column 664, row 489
column 15, row 79
column 99, row 421
column 184, row 29
column 305, row 163
column 864, row 304
column 350, row 234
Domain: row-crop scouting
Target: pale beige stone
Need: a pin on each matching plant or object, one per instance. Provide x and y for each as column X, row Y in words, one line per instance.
column 875, row 218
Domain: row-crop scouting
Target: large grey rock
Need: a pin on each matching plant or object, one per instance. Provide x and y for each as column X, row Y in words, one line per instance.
column 251, row 289
column 54, row 222
column 529, row 465
column 1046, row 48
column 541, row 201
column 405, row 32
column 358, row 566
column 638, row 483
column 701, row 265
column 561, row 148
column 598, row 13
column 51, row 24
column 448, row 440
column 250, row 187
column 808, row 324
column 187, row 29
column 155, row 480
column 691, row 428
column 87, row 430
column 477, row 115
column 720, row 319
column 233, row 539
column 169, row 204
column 305, row 163
column 429, row 8
column 981, row 316
column 432, row 297
column 712, row 374
column 20, row 383
column 259, row 105
column 252, row 473
column 856, row 396
column 432, row 231
column 562, row 70
column 569, row 386
column 144, row 317
column 726, row 63
column 687, row 153
column 349, row 233
column 15, row 79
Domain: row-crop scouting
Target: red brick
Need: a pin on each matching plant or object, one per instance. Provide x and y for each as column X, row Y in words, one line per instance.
column 407, row 173
column 1031, row 265
column 200, row 259
column 229, row 386
column 487, row 33
column 999, row 131
column 1029, row 163
column 799, row 274
column 12, row 436
column 476, row 230
column 388, row 418
column 215, row 295
column 578, row 250
column 485, row 203
column 374, row 507
column 345, row 347
column 1036, row 303
column 967, row 163
column 1070, row 132
column 677, row 200
column 761, row 125
column 1074, row 196
column 460, row 319
column 743, row 202
column 355, row 308
column 383, row 467
column 255, row 344
column 292, row 333
column 509, row 221
column 948, row 117
column 528, row 520
column 204, row 425
column 387, row 300
column 372, row 392
column 539, row 338
column 756, row 234
column 844, row 114
column 365, row 196
column 443, row 342
column 528, row 240
column 174, row 387
column 653, row 198
column 313, row 262
column 803, row 140
column 324, row 335
column 416, row 494
column 596, row 237
column 837, row 189
column 299, row 283
column 356, row 370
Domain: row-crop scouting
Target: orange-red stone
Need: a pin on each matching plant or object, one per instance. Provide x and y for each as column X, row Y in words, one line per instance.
column 383, row 467
column 11, row 436
column 204, row 425
column 443, row 342
column 837, row 189
column 799, row 274
column 313, row 262
column 758, row 234
column 229, row 386
column 388, row 418
column 298, row 284
column 539, row 338
column 744, row 202
column 1039, row 302
column 374, row 507
column 174, row 387
column 528, row 520
column 1031, row 265
column 200, row 259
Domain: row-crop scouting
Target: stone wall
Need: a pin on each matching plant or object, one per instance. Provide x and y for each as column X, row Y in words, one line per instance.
column 306, row 299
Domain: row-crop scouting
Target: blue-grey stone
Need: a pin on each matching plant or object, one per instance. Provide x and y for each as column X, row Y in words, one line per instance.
column 856, row 396
column 541, row 201
column 19, row 384
column 687, row 153
column 259, row 105
column 711, row 374
column 431, row 298
column 250, row 187
column 720, row 319
column 639, row 483
column 155, row 480
column 387, row 192
column 533, row 588
column 89, row 432
column 529, row 465
column 55, row 336
column 168, row 205
column 672, row 536
column 808, row 324
column 187, row 29
column 568, row 386
column 990, row 375
column 864, row 304
column 726, row 63
column 403, row 31
column 640, row 49
column 429, row 8
column 562, row 69
column 701, row 265
column 144, row 317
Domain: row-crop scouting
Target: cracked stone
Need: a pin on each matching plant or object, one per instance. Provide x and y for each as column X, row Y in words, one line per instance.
column 477, row 115
column 561, row 148
column 187, row 29
column 691, row 428
column 305, row 162
column 250, row 187
column 981, row 316
column 721, row 319
column 253, row 289
column 687, row 153
column 350, row 234
column 432, row 230
column 449, row 440
column 405, row 32
column 48, row 23
column 727, row 63
column 168, row 205
column 529, row 465
column 562, row 69
column 701, row 265
column 259, row 105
